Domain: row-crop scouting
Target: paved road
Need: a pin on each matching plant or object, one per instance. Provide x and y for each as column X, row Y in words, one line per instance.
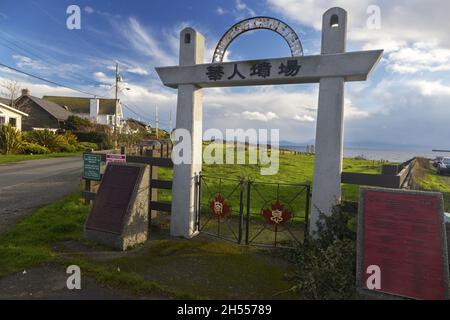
column 25, row 186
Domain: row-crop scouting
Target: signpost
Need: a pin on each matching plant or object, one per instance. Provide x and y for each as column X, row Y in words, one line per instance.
column 117, row 158
column 402, row 248
column 91, row 166
column 332, row 68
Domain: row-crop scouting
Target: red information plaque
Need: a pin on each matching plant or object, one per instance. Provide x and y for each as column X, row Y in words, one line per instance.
column 403, row 233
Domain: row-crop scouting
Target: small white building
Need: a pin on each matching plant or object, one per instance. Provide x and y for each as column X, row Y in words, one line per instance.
column 12, row 116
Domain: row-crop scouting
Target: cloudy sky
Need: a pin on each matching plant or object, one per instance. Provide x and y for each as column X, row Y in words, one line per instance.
column 406, row 101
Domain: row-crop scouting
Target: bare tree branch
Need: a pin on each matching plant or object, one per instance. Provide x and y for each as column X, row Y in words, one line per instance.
column 11, row 89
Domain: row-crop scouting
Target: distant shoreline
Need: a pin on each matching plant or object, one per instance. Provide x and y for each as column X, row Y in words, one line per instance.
column 378, row 154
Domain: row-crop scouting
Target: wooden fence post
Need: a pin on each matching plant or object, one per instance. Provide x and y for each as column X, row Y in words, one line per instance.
column 154, row 191
column 87, row 185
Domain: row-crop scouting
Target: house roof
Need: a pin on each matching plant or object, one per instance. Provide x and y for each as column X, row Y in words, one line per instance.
column 5, row 101
column 55, row 110
column 137, row 122
column 82, row 105
column 5, row 106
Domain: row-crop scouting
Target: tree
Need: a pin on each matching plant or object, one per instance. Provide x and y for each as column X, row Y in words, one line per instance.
column 75, row 123
column 10, row 90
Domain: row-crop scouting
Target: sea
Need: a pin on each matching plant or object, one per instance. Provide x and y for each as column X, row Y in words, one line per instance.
column 381, row 154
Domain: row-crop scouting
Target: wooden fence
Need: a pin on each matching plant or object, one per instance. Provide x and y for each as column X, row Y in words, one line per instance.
column 158, row 155
column 392, row 176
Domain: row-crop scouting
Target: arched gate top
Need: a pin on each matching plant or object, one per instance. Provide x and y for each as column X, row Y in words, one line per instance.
column 255, row 23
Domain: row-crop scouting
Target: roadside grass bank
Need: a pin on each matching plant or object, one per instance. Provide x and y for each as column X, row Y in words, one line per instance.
column 425, row 178
column 25, row 157
column 180, row 269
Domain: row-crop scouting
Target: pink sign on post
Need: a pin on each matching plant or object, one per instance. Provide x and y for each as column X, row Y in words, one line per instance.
column 121, row 158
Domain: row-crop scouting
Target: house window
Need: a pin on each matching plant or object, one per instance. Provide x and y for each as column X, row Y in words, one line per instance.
column 13, row 122
column 111, row 120
column 2, row 120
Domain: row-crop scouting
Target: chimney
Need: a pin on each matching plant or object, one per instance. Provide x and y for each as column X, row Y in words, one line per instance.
column 93, row 109
column 25, row 92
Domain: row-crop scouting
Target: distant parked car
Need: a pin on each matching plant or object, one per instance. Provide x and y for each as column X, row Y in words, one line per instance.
column 444, row 166
column 437, row 161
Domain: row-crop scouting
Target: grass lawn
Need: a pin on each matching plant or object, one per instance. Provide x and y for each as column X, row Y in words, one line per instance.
column 24, row 157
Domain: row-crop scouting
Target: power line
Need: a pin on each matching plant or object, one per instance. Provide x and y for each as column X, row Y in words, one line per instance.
column 48, row 81
column 29, row 52
column 135, row 113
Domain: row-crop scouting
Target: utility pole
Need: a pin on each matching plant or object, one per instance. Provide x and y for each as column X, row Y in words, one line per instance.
column 170, row 123
column 116, row 97
column 157, row 123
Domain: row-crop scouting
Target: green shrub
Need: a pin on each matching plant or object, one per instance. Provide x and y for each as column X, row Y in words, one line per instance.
column 340, row 225
column 50, row 140
column 70, row 138
column 10, row 139
column 326, row 265
column 85, row 146
column 75, row 123
column 33, row 148
column 102, row 139
column 65, row 147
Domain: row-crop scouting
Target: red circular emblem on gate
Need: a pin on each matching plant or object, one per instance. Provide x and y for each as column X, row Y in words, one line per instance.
column 220, row 207
column 277, row 214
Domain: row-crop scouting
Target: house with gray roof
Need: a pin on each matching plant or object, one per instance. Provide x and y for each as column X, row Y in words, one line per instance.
column 42, row 114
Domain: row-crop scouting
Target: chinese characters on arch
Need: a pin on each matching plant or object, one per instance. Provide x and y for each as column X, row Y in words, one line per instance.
column 259, row 69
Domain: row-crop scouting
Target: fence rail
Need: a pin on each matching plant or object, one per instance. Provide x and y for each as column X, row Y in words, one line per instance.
column 155, row 158
column 393, row 176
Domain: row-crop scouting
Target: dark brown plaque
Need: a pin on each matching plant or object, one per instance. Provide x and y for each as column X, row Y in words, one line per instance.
column 113, row 198
column 402, row 232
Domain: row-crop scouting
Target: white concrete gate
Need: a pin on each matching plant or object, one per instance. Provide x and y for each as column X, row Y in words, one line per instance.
column 331, row 69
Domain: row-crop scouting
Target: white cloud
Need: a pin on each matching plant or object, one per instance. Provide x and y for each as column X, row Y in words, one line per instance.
column 352, row 112
column 137, row 70
column 89, row 10
column 304, row 118
column 240, row 11
column 26, row 62
column 413, row 33
column 221, row 11
column 143, row 42
column 431, row 88
column 259, row 116
column 103, row 78
column 418, row 58
column 241, row 6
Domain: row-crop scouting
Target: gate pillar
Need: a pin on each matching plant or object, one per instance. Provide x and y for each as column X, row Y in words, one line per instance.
column 189, row 117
